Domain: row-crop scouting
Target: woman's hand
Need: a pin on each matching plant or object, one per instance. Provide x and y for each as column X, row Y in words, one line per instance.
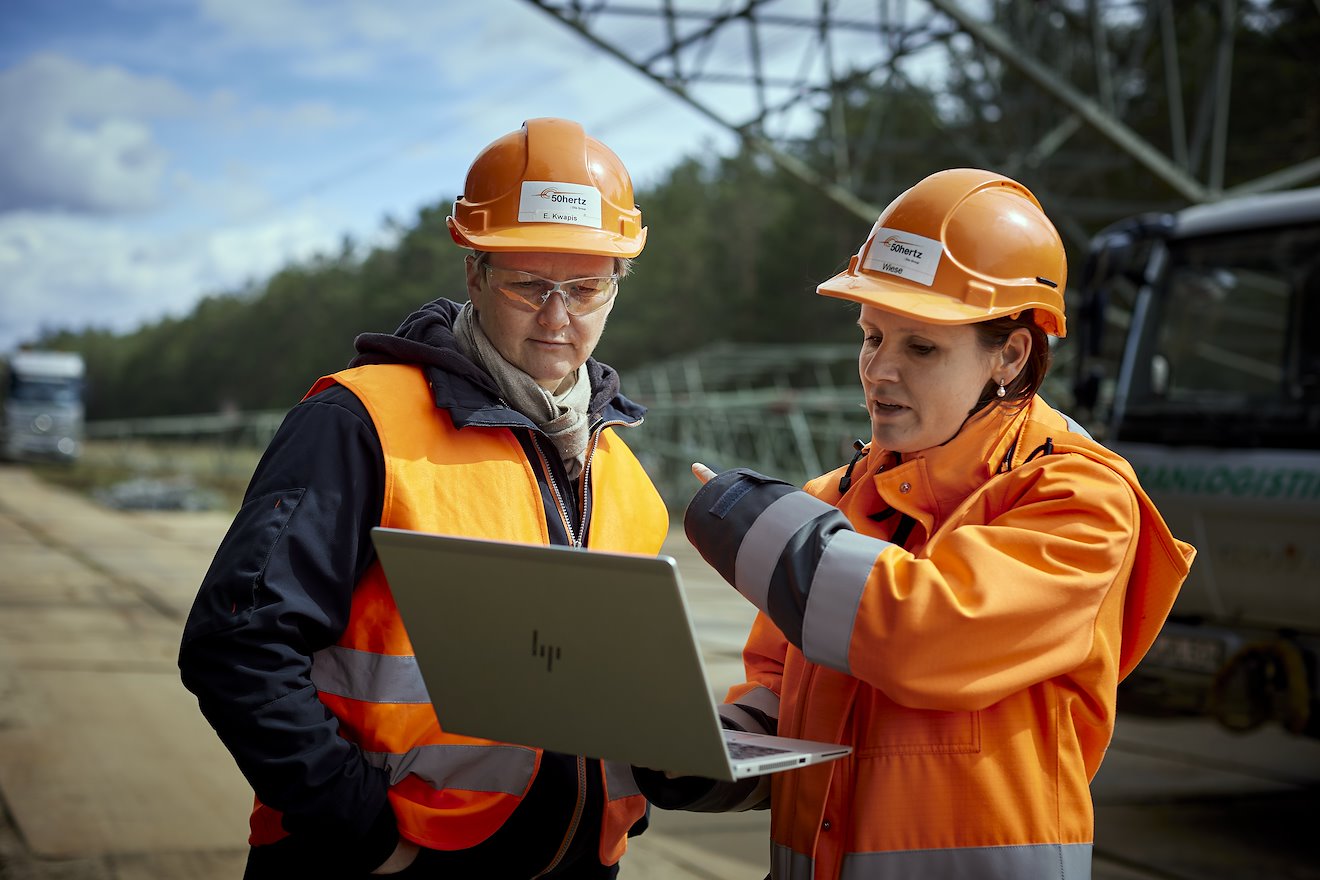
column 701, row 472
column 405, row 853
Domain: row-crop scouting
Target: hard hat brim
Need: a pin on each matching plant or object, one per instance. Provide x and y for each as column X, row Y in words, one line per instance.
column 551, row 238
column 928, row 306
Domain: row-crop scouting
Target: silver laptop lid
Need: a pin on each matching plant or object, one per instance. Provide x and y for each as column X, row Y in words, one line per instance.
column 570, row 650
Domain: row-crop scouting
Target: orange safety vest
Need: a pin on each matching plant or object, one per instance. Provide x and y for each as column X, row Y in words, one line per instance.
column 978, row 707
column 447, row 791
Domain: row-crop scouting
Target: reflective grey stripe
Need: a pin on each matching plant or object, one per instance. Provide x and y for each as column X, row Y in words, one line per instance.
column 1045, row 860
column 761, row 697
column 1075, row 426
column 619, row 782
column 836, row 594
column 764, row 543
column 371, row 678
column 743, row 719
column 756, row 794
column 788, row 865
column 502, row 769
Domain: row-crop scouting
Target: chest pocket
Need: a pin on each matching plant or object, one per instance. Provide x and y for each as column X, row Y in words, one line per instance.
column 229, row 591
column 892, row 729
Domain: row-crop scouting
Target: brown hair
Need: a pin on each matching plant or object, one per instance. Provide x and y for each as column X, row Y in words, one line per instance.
column 993, row 335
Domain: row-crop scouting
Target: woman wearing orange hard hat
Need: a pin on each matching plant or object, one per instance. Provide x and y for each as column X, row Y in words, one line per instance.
column 959, row 602
column 489, row 419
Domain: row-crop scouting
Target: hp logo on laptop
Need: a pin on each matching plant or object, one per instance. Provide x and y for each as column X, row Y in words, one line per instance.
column 551, row 653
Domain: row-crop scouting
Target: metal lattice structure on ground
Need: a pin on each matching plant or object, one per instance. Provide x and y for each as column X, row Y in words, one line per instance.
column 787, row 411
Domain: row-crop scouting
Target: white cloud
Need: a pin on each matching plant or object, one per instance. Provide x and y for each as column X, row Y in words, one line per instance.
column 365, row 109
column 543, row 68
column 342, row 39
column 73, row 136
column 71, row 272
column 495, row 64
column 340, row 64
column 299, row 117
column 271, row 23
column 232, row 198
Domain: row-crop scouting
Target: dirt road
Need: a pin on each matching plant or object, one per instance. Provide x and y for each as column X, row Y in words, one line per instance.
column 108, row 771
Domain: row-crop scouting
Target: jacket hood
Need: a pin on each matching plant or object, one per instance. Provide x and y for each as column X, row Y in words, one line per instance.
column 1162, row 561
column 426, row 339
column 1000, row 439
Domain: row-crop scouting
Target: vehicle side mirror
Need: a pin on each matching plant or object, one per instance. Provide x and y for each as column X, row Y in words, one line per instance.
column 1159, row 375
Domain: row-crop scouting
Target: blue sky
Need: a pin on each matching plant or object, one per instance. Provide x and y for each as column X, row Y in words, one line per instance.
column 155, row 151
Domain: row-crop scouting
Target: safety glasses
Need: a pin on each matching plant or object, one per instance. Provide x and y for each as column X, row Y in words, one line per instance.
column 582, row 296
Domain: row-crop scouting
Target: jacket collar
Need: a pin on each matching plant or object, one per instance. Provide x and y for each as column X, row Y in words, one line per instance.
column 929, row 484
column 426, row 339
column 939, row 479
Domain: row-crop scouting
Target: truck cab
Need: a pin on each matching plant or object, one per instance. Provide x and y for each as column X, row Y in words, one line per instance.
column 43, row 406
column 1199, row 362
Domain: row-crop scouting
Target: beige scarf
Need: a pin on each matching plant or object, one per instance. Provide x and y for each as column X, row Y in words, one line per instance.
column 562, row 416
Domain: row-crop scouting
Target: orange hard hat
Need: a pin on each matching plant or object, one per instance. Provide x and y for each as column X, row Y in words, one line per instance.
column 548, row 188
column 961, row 246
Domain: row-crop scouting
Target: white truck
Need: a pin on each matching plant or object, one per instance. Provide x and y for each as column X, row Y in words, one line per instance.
column 43, row 406
column 1200, row 363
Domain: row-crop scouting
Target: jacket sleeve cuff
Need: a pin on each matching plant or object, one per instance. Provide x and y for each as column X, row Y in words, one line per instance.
column 734, row 716
column 671, row 794
column 356, row 853
column 696, row 794
column 765, row 538
column 379, row 842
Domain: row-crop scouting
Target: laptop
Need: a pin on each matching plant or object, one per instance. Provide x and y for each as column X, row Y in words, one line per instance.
column 583, row 652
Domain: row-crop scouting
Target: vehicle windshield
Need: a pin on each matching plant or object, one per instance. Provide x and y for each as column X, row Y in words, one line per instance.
column 36, row 390
column 1232, row 348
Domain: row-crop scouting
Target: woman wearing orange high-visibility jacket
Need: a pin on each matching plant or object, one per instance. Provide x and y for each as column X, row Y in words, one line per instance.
column 960, row 601
column 490, row 420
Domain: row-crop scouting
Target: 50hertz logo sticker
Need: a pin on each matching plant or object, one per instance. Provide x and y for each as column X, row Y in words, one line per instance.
column 560, row 197
column 896, row 245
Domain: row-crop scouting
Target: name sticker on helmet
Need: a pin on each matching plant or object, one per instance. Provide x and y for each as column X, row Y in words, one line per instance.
column 904, row 254
column 544, row 201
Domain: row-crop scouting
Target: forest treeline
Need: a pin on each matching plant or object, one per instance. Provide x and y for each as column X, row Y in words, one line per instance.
column 736, row 245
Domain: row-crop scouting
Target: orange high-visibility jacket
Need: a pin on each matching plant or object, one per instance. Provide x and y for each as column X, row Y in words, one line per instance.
column 449, row 791
column 963, row 625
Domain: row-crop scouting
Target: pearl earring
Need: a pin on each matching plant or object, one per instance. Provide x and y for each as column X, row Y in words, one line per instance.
column 1001, row 392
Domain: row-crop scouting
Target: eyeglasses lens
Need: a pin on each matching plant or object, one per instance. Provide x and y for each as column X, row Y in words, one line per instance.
column 582, row 296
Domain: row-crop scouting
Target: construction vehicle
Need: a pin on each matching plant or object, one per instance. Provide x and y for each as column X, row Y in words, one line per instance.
column 1199, row 362
column 43, row 406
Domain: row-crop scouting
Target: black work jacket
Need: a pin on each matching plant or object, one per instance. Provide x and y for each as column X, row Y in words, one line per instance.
column 252, row 681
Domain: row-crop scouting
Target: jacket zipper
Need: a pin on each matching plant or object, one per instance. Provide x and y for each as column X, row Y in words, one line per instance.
column 576, row 541
column 578, row 809
column 575, row 538
column 584, row 500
